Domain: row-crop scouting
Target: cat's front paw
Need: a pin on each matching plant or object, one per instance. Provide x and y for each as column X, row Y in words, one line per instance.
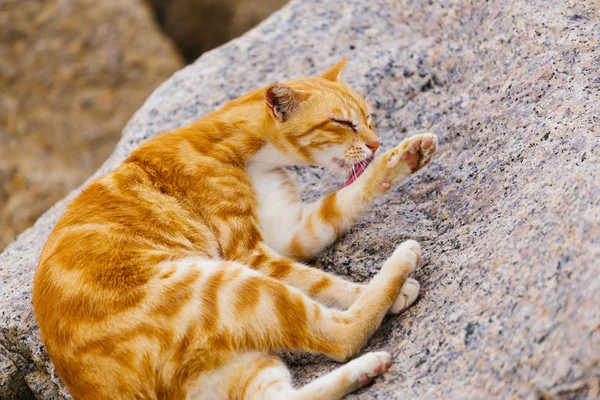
column 409, row 156
column 415, row 152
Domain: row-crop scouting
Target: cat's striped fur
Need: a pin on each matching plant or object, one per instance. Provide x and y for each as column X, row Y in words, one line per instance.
column 176, row 276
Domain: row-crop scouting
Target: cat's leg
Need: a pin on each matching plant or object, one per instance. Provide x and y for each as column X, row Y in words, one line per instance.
column 261, row 376
column 322, row 222
column 308, row 325
column 327, row 288
column 322, row 286
column 347, row 378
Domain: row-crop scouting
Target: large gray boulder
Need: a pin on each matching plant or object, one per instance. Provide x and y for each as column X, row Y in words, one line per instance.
column 508, row 212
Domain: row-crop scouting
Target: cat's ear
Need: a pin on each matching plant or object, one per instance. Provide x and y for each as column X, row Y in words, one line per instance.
column 334, row 73
column 282, row 101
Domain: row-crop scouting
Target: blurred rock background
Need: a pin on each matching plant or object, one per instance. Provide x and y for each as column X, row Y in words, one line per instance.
column 72, row 73
column 197, row 26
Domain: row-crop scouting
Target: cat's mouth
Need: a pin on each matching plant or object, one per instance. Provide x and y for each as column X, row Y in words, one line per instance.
column 354, row 170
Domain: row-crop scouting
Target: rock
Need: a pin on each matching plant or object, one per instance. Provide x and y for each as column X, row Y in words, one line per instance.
column 200, row 25
column 507, row 212
column 72, row 73
column 12, row 385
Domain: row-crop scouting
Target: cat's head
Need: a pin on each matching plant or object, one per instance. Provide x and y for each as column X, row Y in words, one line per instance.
column 320, row 120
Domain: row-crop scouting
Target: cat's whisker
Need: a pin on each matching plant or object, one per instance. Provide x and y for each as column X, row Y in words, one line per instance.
column 368, row 96
column 363, row 164
column 345, row 176
column 328, row 171
column 354, row 176
column 291, row 157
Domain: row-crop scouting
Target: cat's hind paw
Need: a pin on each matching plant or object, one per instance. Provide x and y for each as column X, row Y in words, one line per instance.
column 410, row 251
column 363, row 369
column 407, row 296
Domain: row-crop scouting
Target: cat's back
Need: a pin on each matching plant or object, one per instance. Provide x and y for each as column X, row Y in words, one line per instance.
column 107, row 245
column 138, row 214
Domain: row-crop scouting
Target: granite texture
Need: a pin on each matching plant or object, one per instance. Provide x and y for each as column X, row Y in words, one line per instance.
column 12, row 384
column 507, row 212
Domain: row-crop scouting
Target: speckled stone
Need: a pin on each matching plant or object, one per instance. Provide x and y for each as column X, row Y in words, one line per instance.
column 507, row 212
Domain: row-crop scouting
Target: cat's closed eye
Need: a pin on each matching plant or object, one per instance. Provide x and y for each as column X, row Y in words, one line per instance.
column 347, row 124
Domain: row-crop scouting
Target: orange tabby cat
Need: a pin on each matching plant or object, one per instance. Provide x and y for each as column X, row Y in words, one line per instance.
column 174, row 276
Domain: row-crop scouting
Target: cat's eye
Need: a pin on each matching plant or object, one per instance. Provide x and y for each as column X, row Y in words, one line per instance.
column 343, row 122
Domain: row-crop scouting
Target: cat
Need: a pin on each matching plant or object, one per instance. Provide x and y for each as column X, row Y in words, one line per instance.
column 177, row 275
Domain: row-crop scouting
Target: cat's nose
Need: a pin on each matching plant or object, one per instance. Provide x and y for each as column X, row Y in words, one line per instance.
column 374, row 145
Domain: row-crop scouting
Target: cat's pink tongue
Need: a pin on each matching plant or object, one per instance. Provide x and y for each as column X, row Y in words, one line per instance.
column 359, row 170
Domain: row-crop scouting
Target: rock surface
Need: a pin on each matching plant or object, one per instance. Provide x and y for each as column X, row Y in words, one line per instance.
column 12, row 384
column 200, row 25
column 507, row 212
column 71, row 74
